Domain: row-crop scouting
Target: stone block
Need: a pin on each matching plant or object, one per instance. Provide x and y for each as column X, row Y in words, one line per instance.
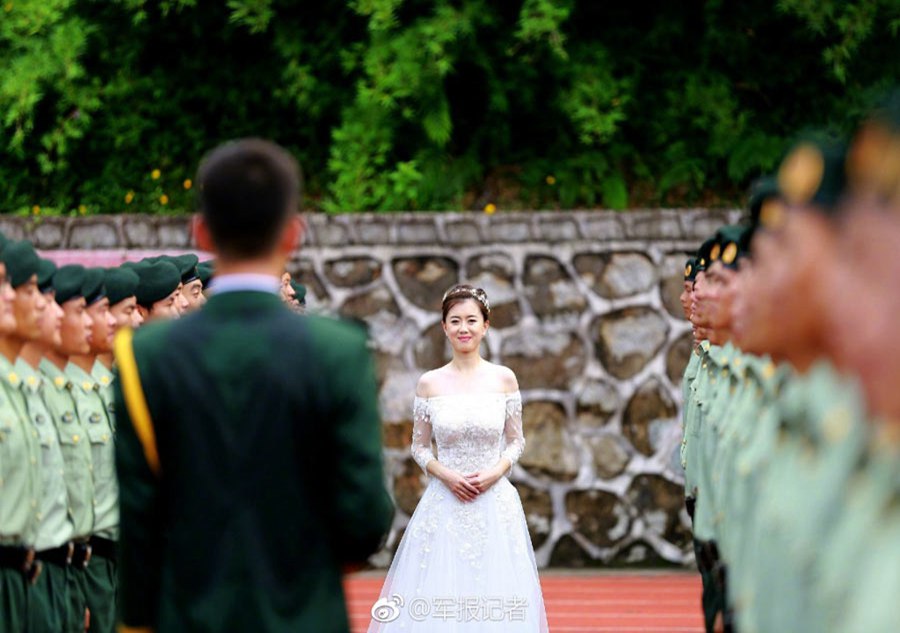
column 49, row 233
column 140, row 231
column 495, row 274
column 677, row 357
column 397, row 435
column 509, row 231
column 603, row 226
column 598, row 516
column 370, row 303
column 352, row 271
column 650, row 404
column 409, row 484
column 373, row 231
column 538, row 507
column 543, row 359
column 557, row 230
column 662, row 224
column 94, row 233
column 327, row 231
column 424, row 280
column 14, row 228
column 549, row 288
column 626, row 340
column 616, row 275
column 659, row 502
column 549, row 449
column 597, row 401
column 174, row 233
column 462, row 233
column 417, row 232
column 610, row 456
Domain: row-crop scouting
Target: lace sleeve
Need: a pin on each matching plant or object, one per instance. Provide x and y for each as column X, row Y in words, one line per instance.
column 421, row 437
column 512, row 430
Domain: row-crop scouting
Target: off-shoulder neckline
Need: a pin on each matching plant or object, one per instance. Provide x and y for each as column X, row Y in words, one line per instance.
column 472, row 393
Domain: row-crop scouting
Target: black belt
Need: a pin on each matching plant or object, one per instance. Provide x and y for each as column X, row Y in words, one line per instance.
column 61, row 555
column 82, row 555
column 21, row 559
column 103, row 547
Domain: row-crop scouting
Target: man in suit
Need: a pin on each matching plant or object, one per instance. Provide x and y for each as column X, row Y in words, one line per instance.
column 249, row 448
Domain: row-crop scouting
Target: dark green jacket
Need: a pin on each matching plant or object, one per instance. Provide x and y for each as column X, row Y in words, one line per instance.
column 271, row 473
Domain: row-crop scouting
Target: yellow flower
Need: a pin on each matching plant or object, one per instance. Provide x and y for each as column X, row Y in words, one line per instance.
column 8, row 7
column 155, row 174
column 490, row 208
column 36, row 209
column 188, row 184
column 129, row 197
column 82, row 209
column 164, row 199
column 551, row 180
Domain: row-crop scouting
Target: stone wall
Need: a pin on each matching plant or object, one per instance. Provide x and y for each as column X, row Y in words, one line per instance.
column 584, row 309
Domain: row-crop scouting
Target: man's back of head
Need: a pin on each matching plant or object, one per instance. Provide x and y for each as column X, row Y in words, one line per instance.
column 248, row 191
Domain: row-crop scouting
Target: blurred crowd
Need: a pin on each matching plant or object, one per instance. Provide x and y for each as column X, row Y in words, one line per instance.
column 791, row 443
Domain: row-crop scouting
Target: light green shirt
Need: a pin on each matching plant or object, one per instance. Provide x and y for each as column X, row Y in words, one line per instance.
column 76, row 449
column 104, row 378
column 55, row 527
column 92, row 412
column 20, row 481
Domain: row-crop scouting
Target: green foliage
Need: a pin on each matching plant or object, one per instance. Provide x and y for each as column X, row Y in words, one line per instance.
column 428, row 104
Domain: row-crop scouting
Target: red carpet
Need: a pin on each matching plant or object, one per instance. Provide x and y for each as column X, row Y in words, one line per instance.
column 646, row 602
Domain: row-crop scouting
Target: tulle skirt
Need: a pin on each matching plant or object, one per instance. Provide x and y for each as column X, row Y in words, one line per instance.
column 463, row 567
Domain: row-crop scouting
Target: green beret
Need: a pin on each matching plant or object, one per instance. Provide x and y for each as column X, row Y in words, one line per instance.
column 205, row 271
column 703, row 254
column 68, row 282
column 187, row 266
column 766, row 206
column 45, row 275
column 733, row 243
column 157, row 281
column 22, row 262
column 814, row 174
column 300, row 291
column 120, row 283
column 93, row 289
column 690, row 269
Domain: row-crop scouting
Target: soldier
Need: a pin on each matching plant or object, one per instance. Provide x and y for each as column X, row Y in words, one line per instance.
column 100, row 575
column 205, row 272
column 20, row 453
column 214, row 446
column 75, row 325
column 191, row 284
column 49, row 600
column 699, row 392
column 288, row 294
column 121, row 286
column 157, row 292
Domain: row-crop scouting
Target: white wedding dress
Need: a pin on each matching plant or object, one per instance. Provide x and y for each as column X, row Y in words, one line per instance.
column 462, row 566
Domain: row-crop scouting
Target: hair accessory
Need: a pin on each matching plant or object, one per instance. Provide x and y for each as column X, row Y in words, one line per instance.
column 467, row 291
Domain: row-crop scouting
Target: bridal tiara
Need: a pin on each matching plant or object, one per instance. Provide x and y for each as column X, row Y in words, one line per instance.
column 467, row 291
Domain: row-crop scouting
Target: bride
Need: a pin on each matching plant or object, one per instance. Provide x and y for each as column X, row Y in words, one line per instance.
column 465, row 562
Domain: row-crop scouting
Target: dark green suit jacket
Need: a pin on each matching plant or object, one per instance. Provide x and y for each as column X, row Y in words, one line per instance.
column 271, row 474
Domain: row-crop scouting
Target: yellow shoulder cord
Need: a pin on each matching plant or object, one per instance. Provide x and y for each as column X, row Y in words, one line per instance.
column 134, row 397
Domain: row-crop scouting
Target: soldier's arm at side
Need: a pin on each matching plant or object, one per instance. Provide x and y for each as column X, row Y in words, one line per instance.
column 362, row 508
column 140, row 550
